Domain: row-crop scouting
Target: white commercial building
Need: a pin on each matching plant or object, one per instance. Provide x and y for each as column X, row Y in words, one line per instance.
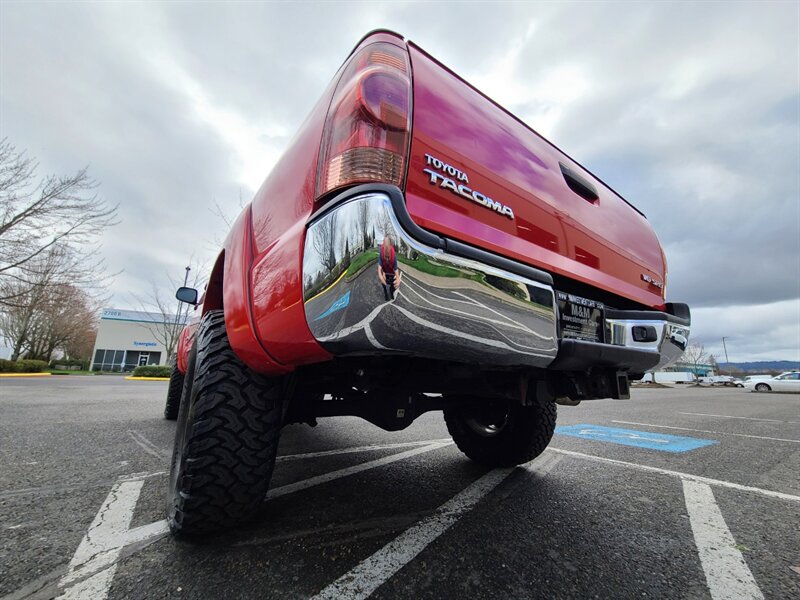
column 126, row 340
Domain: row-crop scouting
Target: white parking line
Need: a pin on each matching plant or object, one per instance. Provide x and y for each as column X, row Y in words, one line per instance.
column 343, row 333
column 727, row 575
column 92, row 568
column 758, row 437
column 371, row 573
column 352, row 449
column 371, row 338
column 689, row 476
column 146, row 444
column 379, row 462
column 743, row 418
column 101, row 546
column 146, row 533
column 142, row 475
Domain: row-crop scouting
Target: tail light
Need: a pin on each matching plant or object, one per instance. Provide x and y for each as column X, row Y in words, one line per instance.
column 366, row 131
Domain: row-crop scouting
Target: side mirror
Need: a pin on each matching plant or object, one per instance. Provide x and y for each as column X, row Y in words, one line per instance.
column 187, row 294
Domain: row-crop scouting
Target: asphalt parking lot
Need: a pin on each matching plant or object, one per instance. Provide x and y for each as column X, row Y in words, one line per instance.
column 676, row 493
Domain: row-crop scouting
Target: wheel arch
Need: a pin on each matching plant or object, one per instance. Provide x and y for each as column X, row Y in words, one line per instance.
column 232, row 276
column 214, row 299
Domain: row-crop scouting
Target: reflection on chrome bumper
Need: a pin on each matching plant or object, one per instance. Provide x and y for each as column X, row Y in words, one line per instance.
column 671, row 339
column 444, row 306
column 449, row 307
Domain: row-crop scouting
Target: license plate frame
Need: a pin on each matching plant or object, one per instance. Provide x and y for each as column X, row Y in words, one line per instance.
column 581, row 318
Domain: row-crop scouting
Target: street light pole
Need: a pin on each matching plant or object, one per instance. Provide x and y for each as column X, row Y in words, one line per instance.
column 727, row 362
column 176, row 330
column 185, row 281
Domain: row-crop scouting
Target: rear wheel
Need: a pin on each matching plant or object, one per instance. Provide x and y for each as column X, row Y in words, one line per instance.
column 500, row 433
column 763, row 387
column 174, row 392
column 226, row 439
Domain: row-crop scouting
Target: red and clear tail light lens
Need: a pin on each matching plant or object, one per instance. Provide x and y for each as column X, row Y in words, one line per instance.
column 365, row 138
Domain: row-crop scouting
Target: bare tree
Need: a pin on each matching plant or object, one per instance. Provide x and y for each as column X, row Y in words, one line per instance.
column 227, row 216
column 25, row 298
column 38, row 215
column 66, row 315
column 362, row 220
column 81, row 345
column 696, row 356
column 48, row 315
column 712, row 360
column 325, row 240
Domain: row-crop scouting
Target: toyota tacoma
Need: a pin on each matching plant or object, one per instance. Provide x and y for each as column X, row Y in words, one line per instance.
column 417, row 248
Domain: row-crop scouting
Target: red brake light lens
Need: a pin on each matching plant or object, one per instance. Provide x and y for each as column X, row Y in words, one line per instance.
column 366, row 131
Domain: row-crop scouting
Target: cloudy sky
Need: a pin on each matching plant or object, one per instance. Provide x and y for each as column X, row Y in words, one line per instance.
column 689, row 110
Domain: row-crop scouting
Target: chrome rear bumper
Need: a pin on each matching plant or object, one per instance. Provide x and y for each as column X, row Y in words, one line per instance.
column 446, row 306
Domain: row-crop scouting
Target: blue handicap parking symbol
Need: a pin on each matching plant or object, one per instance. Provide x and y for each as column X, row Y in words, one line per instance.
column 339, row 304
column 633, row 437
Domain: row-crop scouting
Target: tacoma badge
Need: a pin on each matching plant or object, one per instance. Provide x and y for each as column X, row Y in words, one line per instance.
column 459, row 189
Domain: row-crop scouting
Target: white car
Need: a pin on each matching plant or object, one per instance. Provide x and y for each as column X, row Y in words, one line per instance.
column 755, row 377
column 785, row 382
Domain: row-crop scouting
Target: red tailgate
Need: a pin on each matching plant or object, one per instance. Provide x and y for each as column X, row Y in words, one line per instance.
column 497, row 165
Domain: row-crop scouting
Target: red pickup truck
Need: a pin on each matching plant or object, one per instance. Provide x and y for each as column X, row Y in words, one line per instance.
column 416, row 248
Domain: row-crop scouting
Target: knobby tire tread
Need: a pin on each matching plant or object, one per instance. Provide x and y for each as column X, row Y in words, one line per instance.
column 231, row 437
column 174, row 392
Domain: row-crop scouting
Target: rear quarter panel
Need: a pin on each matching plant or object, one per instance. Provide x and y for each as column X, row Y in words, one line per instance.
column 281, row 209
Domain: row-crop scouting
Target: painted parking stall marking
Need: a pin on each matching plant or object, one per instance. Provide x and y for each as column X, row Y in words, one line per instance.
column 92, row 568
column 727, row 575
column 632, row 437
column 338, row 305
column 744, row 435
column 366, row 577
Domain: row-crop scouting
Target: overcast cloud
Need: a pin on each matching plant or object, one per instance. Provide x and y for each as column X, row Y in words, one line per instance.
column 690, row 111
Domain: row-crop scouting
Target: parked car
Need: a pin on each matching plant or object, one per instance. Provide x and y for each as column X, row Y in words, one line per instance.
column 715, row 380
column 417, row 248
column 756, row 377
column 727, row 381
column 785, row 382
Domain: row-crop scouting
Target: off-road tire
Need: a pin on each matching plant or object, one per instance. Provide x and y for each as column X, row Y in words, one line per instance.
column 226, row 439
column 174, row 392
column 524, row 435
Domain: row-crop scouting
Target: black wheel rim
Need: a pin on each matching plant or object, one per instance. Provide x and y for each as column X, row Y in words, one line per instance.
column 486, row 419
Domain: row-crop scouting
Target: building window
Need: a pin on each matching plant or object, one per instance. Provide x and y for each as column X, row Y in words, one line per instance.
column 115, row 361
column 109, row 360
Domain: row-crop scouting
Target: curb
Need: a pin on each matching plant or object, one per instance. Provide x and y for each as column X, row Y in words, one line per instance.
column 25, row 374
column 147, row 378
column 326, row 289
